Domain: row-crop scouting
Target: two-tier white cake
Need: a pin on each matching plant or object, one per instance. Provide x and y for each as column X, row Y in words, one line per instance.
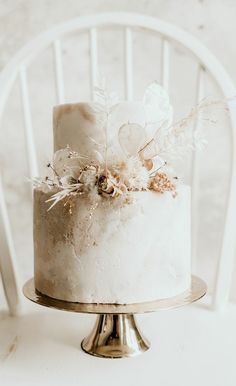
column 116, row 249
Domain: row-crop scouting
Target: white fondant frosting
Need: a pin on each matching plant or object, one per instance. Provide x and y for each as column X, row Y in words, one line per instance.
column 137, row 253
column 134, row 253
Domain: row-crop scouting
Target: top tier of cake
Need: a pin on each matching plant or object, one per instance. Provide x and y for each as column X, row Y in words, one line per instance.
column 80, row 126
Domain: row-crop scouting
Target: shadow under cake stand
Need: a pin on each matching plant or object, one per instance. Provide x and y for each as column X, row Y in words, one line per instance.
column 115, row 333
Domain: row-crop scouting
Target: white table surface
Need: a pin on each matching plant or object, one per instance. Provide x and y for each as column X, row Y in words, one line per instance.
column 190, row 346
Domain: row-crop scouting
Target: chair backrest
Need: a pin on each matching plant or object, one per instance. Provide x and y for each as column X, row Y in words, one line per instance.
column 207, row 65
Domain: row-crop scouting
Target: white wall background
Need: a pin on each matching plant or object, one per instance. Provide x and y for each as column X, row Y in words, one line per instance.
column 212, row 21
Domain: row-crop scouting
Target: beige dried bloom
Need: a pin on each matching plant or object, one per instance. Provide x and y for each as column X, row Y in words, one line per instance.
column 109, row 185
column 133, row 174
column 161, row 183
column 88, row 176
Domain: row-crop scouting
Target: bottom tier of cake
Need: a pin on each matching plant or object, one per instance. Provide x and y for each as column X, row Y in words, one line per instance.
column 110, row 254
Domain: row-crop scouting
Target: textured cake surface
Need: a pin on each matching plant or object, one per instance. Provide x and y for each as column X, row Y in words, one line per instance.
column 119, row 252
column 136, row 253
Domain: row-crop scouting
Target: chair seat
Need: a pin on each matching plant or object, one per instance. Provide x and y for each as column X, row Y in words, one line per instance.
column 189, row 346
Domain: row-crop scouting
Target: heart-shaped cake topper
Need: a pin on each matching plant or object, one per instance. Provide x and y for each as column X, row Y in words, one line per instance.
column 131, row 138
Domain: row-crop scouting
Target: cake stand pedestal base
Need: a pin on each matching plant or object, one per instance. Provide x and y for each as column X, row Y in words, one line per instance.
column 115, row 336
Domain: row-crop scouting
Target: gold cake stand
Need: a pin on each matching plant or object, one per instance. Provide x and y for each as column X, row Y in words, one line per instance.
column 115, row 333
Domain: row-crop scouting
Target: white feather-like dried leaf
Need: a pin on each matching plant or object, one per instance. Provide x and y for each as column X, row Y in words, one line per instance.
column 157, row 104
column 105, row 99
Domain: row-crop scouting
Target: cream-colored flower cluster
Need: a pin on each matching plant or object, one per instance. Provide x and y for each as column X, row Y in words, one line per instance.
column 145, row 150
column 72, row 176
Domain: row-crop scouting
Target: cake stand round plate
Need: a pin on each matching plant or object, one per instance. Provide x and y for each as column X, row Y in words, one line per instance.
column 116, row 334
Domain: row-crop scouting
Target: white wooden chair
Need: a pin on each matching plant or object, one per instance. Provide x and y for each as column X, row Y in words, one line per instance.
column 208, row 65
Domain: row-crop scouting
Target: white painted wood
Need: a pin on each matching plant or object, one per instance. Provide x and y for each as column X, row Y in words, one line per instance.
column 59, row 71
column 30, row 143
column 8, row 271
column 226, row 258
column 93, row 60
column 195, row 170
column 165, row 63
column 128, row 64
column 170, row 33
column 33, row 48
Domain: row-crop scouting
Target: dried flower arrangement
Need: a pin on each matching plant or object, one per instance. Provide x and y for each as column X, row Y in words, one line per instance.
column 143, row 166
